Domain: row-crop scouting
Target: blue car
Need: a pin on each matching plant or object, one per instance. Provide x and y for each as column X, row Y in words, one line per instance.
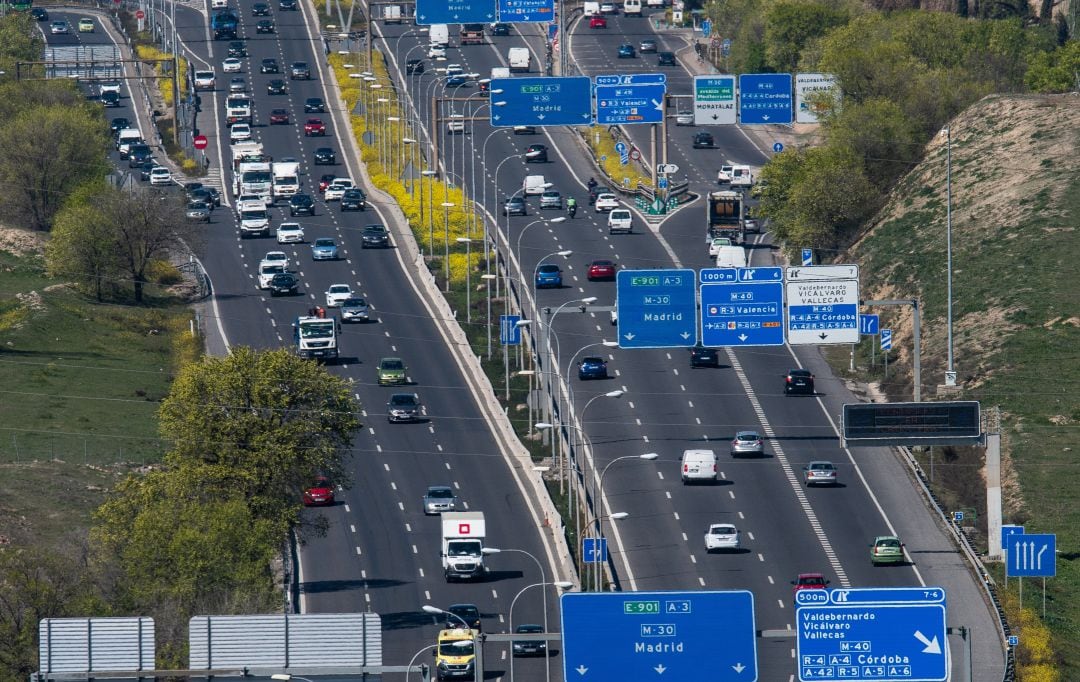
column 592, row 368
column 548, row 275
column 456, row 80
column 324, row 248
column 626, row 50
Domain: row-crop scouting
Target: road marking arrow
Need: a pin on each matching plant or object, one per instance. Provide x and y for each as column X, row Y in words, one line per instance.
column 581, row 670
column 932, row 645
column 660, row 669
column 738, row 667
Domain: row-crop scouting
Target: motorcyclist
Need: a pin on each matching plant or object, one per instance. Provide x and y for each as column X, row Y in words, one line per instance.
column 571, row 207
column 591, row 184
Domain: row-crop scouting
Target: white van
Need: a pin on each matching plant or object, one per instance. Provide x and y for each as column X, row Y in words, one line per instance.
column 631, row 8
column 620, row 220
column 533, row 184
column 698, row 465
column 519, row 59
column 592, row 9
column 742, row 176
column 439, row 34
column 731, row 257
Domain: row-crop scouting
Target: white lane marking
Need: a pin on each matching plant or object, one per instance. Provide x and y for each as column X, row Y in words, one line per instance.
column 352, row 528
column 347, row 510
column 358, row 552
column 421, row 570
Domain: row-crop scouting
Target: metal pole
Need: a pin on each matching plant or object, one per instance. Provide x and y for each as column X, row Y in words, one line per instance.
column 950, row 376
column 506, row 368
column 917, row 360
column 468, row 282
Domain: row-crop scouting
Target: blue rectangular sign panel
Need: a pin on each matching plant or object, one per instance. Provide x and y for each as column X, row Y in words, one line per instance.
column 1031, row 556
column 632, row 79
column 541, row 101
column 522, row 11
column 765, row 98
column 629, row 104
column 509, row 331
column 620, row 636
column 656, row 308
column 742, row 307
column 868, row 324
column 872, row 634
column 594, row 550
column 1006, row 531
column 430, row 12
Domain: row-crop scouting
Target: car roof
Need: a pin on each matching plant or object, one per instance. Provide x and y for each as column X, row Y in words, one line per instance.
column 593, row 358
column 749, row 434
column 722, row 526
column 800, row 372
column 529, row 628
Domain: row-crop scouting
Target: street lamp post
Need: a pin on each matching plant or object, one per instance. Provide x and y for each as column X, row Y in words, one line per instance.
column 446, row 238
column 649, row 456
column 561, row 584
column 468, row 277
column 517, row 252
column 556, row 368
column 950, row 374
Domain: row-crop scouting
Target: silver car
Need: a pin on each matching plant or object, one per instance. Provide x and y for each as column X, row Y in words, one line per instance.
column 551, row 199
column 439, row 499
column 354, row 309
column 820, row 473
column 747, row 443
column 403, row 407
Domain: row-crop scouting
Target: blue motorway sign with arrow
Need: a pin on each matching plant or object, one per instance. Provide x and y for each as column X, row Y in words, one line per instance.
column 541, row 102
column 620, row 636
column 871, row 634
column 522, row 11
column 1031, row 556
column 594, row 550
column 509, row 331
column 765, row 98
column 742, row 307
column 869, row 324
column 1006, row 531
column 454, row 12
column 656, row 308
column 628, row 104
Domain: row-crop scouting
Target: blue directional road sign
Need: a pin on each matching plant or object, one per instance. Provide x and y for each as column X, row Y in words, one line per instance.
column 1032, row 556
column 619, row 636
column 706, row 28
column 541, row 102
column 807, row 256
column 594, row 550
column 629, row 104
column 509, row 331
column 765, row 98
column 1006, row 531
column 886, row 339
column 632, row 79
column 778, row 147
column 868, row 324
column 742, row 307
column 522, row 11
column 455, row 12
column 656, row 308
column 871, row 634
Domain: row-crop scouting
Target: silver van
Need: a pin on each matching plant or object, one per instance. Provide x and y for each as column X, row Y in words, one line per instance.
column 698, row 465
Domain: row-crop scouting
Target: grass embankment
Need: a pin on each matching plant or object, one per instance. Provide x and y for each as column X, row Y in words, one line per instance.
column 81, row 384
column 1016, row 311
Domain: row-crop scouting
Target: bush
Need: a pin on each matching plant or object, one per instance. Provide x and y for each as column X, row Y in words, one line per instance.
column 164, row 273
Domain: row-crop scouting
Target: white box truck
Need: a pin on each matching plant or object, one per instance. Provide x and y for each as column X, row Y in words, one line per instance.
column 286, row 179
column 519, row 59
column 463, row 545
column 439, row 34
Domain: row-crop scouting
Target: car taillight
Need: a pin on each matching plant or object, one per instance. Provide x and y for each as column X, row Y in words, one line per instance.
column 714, row 468
column 686, row 468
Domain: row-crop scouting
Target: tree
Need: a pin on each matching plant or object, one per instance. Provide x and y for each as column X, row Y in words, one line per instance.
column 83, row 243
column 1057, row 71
column 264, row 421
column 48, row 152
column 791, row 25
column 19, row 40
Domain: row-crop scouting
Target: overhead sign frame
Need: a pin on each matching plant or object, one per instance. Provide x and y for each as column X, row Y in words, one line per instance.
column 923, row 423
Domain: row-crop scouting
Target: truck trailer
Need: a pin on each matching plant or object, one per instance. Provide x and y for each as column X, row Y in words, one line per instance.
column 724, row 214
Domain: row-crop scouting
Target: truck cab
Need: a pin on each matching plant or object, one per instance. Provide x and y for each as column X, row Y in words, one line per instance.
column 316, row 337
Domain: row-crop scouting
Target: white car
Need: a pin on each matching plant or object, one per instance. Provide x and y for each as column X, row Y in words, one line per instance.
column 721, row 536
column 606, row 202
column 218, row 4
column 109, row 86
column 607, row 8
column 684, row 118
column 160, row 176
column 240, row 132
column 436, row 51
column 275, row 258
column 337, row 189
column 453, row 70
column 267, row 272
column 723, row 176
column 336, row 294
column 232, row 65
column 456, row 124
column 204, row 80
column 716, row 243
column 290, row 233
column 620, row 220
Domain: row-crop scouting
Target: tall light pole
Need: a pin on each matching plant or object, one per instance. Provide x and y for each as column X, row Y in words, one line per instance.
column 517, row 251
column 950, row 373
column 468, row 277
column 446, row 205
column 561, row 584
column 649, row 456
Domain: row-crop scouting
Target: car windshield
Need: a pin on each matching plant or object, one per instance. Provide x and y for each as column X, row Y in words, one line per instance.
column 889, row 543
column 821, row 466
column 462, row 549
column 402, row 401
column 440, row 493
column 549, row 269
column 339, row 289
column 812, row 581
column 301, row 200
column 392, row 365
column 324, row 242
column 251, row 215
column 455, row 649
column 317, row 330
column 353, row 303
column 722, row 530
column 530, row 628
column 272, row 269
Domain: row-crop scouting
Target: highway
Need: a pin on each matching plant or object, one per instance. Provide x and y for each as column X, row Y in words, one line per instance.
column 381, row 552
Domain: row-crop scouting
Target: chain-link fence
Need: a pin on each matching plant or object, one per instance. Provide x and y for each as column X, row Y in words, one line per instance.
column 20, row 447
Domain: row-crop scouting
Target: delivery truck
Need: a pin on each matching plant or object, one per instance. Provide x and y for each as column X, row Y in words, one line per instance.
column 463, row 545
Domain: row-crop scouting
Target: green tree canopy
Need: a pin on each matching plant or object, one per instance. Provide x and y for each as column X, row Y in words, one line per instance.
column 83, row 243
column 19, row 41
column 1057, row 71
column 791, row 25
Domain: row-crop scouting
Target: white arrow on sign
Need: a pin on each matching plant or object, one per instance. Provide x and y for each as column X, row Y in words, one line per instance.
column 666, row 168
column 738, row 667
column 743, row 337
column 629, row 337
column 685, row 335
column 932, row 645
column 659, row 105
column 660, row 669
column 581, row 670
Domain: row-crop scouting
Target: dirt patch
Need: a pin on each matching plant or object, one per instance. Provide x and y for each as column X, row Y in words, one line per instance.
column 21, row 242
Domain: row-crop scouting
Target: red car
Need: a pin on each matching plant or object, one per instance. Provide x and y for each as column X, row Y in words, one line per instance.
column 598, row 22
column 601, row 269
column 325, row 181
column 809, row 581
column 314, row 126
column 320, row 494
column 279, row 117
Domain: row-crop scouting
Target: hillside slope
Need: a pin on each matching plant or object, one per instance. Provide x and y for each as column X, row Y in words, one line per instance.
column 1016, row 309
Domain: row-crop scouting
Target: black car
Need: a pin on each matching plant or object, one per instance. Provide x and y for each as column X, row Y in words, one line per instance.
column 529, row 647
column 260, row 9
column 597, row 191
column 666, row 59
column 276, row 87
column 515, row 206
column 353, row 200
column 269, row 66
column 375, row 237
column 500, row 30
column 139, row 154
column 264, row 26
column 39, row 14
column 145, row 167
column 299, row 71
column 110, row 99
column 284, row 284
column 799, row 381
column 700, row 356
column 118, row 124
column 301, row 203
column 704, row 140
column 536, row 153
column 414, row 66
column 287, row 5
column 460, row 614
column 237, row 49
column 314, row 105
column 204, row 194
column 325, row 156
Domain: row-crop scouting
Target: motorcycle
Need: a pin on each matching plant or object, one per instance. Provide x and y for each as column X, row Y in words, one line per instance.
column 572, row 209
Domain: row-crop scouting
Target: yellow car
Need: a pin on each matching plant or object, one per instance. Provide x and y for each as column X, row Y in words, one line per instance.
column 86, row 25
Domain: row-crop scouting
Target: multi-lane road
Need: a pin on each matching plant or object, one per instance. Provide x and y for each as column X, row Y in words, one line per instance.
column 381, row 553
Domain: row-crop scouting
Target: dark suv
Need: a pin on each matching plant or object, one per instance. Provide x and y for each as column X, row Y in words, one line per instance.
column 284, row 284
column 799, row 381
column 666, row 59
column 237, row 49
column 269, row 66
column 353, row 200
column 464, row 614
column 414, row 66
column 299, row 71
column 325, row 156
column 314, row 105
column 301, row 204
column 700, row 356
